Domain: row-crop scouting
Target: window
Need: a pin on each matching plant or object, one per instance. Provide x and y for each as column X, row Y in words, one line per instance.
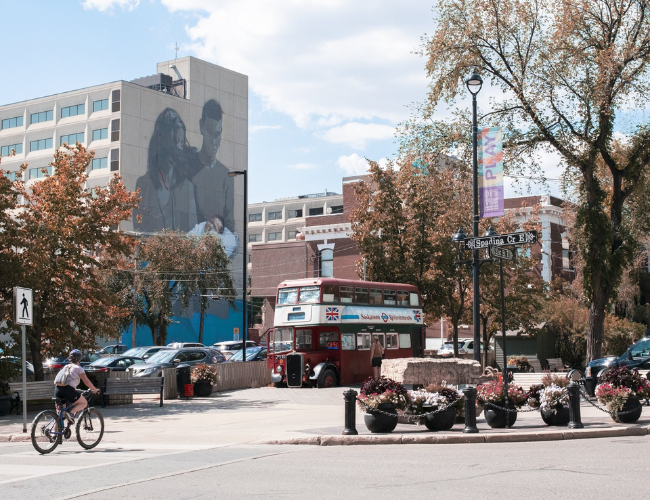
column 338, row 209
column 79, row 109
column 12, row 122
column 115, row 101
column 115, row 130
column 11, row 175
column 389, row 297
column 379, row 336
column 376, row 296
column 361, row 295
column 282, row 339
column 330, row 293
column 327, row 339
column 254, row 238
column 363, row 341
column 391, row 341
column 316, row 211
column 72, row 139
column 327, row 263
column 100, row 105
column 291, row 235
column 40, row 144
column 274, row 236
column 287, row 296
column 37, row 173
column 275, row 215
column 100, row 133
column 347, row 294
column 255, row 217
column 250, row 258
column 115, row 160
column 303, row 339
column 99, row 163
column 43, row 116
column 402, row 298
column 405, row 340
column 309, row 294
column 347, row 341
column 414, row 299
column 567, row 255
column 293, row 214
column 6, row 150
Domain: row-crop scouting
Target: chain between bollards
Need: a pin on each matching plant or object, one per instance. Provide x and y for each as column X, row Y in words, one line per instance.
column 350, row 397
column 470, row 411
column 575, row 422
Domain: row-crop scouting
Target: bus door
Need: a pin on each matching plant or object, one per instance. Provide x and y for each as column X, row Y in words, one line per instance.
column 416, row 341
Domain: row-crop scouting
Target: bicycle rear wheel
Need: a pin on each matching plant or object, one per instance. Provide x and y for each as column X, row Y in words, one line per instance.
column 90, row 428
column 46, row 432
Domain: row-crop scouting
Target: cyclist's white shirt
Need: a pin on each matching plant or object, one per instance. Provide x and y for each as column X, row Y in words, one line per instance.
column 74, row 374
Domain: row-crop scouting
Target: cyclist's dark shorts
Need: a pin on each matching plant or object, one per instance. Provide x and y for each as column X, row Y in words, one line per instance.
column 66, row 392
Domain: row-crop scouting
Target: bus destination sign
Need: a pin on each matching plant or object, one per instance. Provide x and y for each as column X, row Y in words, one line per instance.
column 522, row 238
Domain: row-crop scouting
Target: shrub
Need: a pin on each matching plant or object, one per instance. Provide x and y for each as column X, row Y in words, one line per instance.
column 553, row 397
column 622, row 376
column 494, row 392
column 376, row 391
column 434, row 395
column 533, row 394
column 205, row 373
column 554, row 379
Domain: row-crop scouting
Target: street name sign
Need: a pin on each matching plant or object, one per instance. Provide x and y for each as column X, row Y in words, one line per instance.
column 522, row 238
column 502, row 253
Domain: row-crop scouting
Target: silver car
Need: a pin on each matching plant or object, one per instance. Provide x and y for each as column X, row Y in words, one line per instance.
column 170, row 358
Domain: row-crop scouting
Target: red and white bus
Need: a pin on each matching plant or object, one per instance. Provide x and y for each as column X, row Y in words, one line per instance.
column 324, row 327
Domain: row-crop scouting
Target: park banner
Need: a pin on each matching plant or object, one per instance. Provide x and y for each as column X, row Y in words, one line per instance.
column 490, row 172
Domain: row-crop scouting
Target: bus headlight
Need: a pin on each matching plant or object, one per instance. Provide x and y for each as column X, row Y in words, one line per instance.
column 278, row 368
column 307, row 368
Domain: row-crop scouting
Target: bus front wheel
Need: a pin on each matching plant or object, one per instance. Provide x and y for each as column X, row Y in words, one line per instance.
column 327, row 379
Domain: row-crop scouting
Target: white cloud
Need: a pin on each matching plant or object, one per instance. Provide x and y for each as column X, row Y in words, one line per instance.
column 105, row 5
column 356, row 134
column 256, row 128
column 302, row 166
column 356, row 165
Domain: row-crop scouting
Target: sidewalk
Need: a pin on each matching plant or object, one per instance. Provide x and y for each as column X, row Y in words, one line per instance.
column 303, row 416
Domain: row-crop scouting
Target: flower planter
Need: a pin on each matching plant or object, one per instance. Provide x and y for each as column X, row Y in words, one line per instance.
column 380, row 423
column 632, row 403
column 441, row 421
column 496, row 417
column 561, row 416
column 202, row 389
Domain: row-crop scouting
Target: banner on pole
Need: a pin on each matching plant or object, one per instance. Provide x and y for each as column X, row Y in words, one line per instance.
column 490, row 172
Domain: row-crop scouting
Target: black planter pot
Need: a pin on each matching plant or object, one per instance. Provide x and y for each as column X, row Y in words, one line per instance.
column 202, row 389
column 441, row 421
column 379, row 423
column 5, row 405
column 496, row 417
column 560, row 417
column 632, row 403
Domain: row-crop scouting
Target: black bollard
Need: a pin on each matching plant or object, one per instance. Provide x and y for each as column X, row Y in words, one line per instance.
column 470, row 411
column 350, row 397
column 575, row 421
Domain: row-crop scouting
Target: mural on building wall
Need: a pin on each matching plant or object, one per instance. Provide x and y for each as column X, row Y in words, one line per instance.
column 187, row 188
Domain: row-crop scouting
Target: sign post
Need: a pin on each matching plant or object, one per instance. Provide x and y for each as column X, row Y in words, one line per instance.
column 23, row 314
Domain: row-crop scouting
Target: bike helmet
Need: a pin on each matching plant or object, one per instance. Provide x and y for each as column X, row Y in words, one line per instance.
column 75, row 355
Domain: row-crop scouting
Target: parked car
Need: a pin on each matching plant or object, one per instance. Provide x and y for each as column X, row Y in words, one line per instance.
column 179, row 345
column 256, row 353
column 465, row 346
column 18, row 362
column 111, row 350
column 113, row 363
column 636, row 356
column 230, row 347
column 145, row 351
column 172, row 357
column 56, row 363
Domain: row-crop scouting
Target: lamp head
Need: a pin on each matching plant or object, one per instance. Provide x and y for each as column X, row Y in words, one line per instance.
column 459, row 236
column 490, row 232
column 474, row 83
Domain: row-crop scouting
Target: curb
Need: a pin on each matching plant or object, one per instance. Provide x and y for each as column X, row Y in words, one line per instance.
column 515, row 437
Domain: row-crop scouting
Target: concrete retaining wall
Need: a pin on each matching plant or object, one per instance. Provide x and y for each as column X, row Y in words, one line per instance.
column 424, row 371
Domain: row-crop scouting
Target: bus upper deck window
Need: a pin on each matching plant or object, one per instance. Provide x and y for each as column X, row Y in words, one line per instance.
column 361, row 295
column 287, row 296
column 347, row 293
column 309, row 294
column 376, row 296
column 331, row 293
column 415, row 300
column 402, row 298
column 389, row 297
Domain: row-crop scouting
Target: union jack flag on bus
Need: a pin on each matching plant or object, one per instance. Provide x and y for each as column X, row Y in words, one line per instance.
column 332, row 313
column 417, row 316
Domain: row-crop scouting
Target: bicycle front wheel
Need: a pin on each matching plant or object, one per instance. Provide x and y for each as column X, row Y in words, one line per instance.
column 46, row 432
column 90, row 428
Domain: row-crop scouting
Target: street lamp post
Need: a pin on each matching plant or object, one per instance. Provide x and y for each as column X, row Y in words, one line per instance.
column 474, row 84
column 244, row 245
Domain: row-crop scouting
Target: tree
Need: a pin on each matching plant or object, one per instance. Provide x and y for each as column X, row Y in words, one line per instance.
column 63, row 236
column 564, row 71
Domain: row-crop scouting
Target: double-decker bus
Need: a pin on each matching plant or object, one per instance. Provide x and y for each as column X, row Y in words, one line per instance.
column 323, row 329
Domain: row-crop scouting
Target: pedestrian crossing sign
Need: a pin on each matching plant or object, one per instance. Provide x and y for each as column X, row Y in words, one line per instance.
column 23, row 306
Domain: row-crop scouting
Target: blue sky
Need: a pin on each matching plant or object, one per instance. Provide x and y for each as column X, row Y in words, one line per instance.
column 329, row 80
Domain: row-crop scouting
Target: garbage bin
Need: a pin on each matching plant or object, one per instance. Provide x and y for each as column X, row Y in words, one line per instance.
column 184, row 381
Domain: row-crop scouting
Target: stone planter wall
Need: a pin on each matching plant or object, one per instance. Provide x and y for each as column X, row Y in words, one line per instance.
column 425, row 371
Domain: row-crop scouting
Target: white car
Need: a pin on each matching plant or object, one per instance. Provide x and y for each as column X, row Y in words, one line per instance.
column 230, row 347
column 465, row 346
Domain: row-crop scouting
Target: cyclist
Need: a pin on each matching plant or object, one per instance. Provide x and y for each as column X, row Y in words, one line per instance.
column 66, row 383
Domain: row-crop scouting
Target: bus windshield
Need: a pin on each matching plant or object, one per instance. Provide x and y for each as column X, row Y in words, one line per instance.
column 309, row 294
column 287, row 296
column 282, row 339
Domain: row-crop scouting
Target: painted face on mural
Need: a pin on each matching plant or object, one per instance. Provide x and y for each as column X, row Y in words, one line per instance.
column 211, row 130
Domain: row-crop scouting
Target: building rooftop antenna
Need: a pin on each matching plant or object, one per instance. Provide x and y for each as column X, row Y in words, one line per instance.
column 176, row 49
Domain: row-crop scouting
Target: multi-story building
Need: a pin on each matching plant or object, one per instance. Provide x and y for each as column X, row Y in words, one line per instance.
column 174, row 135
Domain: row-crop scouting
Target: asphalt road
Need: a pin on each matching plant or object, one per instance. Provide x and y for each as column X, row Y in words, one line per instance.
column 580, row 469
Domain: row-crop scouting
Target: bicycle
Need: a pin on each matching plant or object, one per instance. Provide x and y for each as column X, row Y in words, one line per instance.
column 49, row 427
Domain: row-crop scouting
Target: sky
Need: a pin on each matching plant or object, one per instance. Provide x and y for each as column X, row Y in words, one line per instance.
column 329, row 80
